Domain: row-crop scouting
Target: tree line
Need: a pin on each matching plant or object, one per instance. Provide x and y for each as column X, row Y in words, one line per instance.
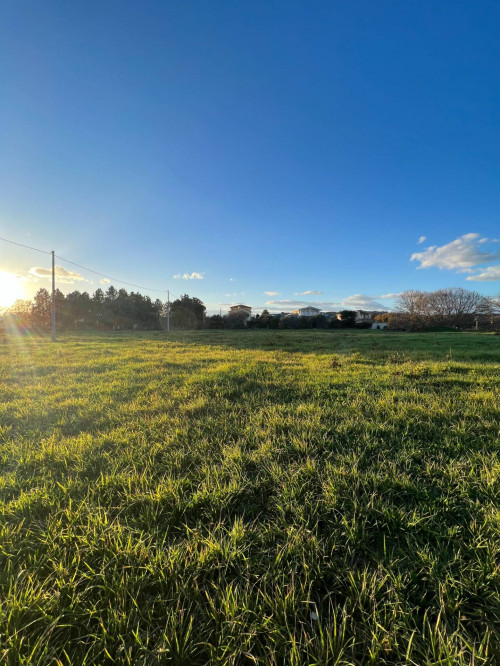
column 454, row 307
column 110, row 310
column 284, row 320
column 114, row 309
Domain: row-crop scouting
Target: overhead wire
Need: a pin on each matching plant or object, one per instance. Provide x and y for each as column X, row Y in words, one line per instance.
column 90, row 270
column 37, row 249
column 108, row 277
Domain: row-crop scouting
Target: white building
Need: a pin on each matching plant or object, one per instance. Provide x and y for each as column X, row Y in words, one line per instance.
column 362, row 316
column 240, row 310
column 308, row 311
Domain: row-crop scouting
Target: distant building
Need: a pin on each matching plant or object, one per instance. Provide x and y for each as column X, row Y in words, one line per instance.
column 362, row 317
column 308, row 311
column 240, row 310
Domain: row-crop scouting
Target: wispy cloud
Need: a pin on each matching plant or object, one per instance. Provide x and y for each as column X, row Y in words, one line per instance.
column 309, row 292
column 233, row 280
column 461, row 253
column 389, row 296
column 489, row 274
column 272, row 293
column 362, row 302
column 62, row 275
column 422, row 239
column 104, row 281
column 189, row 276
column 354, row 302
column 291, row 303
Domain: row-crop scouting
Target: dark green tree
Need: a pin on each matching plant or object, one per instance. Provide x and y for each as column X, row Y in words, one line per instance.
column 319, row 321
column 348, row 318
column 78, row 310
column 216, row 321
column 159, row 307
column 60, row 301
column 97, row 308
column 42, row 309
column 264, row 320
column 187, row 312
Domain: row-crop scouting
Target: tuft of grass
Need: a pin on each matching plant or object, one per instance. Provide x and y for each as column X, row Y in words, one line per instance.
column 220, row 497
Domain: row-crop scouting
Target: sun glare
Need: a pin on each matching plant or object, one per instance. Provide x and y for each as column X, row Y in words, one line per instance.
column 11, row 289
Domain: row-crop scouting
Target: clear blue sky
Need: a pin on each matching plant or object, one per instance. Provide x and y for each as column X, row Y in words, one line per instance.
column 265, row 146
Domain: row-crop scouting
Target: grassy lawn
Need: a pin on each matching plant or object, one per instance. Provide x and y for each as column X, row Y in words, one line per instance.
column 268, row 497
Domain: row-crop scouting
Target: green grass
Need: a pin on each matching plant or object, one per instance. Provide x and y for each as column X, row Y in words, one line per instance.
column 276, row 498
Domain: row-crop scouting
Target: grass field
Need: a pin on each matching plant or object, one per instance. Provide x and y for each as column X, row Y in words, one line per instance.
column 276, row 498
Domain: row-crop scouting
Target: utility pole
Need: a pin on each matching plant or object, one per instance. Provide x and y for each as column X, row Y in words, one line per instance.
column 53, row 297
column 168, row 311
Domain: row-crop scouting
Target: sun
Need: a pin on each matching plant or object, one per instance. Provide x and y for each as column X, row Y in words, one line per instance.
column 11, row 289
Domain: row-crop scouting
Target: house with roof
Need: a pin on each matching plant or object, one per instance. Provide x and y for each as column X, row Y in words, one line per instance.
column 241, row 311
column 362, row 317
column 308, row 311
column 330, row 315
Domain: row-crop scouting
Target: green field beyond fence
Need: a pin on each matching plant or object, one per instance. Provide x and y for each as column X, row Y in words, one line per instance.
column 261, row 497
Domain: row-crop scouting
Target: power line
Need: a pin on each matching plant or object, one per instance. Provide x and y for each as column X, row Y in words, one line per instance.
column 22, row 245
column 108, row 277
column 90, row 270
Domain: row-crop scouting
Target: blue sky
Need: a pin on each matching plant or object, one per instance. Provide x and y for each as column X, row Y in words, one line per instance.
column 229, row 149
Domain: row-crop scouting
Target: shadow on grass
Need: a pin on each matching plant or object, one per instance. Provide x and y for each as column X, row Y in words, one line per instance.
column 425, row 346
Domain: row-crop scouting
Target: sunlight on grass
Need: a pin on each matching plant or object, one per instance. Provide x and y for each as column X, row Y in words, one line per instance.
column 250, row 498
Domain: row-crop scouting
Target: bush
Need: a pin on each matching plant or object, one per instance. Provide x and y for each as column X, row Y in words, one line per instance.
column 290, row 321
column 440, row 329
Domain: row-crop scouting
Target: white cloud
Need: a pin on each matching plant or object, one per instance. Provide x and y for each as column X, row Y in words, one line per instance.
column 297, row 304
column 422, row 239
column 308, row 293
column 272, row 293
column 355, row 302
column 189, row 276
column 389, row 295
column 489, row 274
column 62, row 275
column 461, row 253
column 361, row 302
column 104, row 281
